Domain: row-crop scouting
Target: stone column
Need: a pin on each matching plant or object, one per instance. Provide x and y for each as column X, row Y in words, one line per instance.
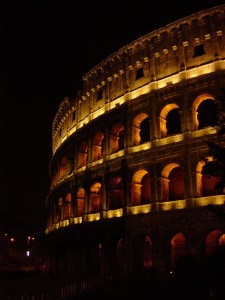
column 75, row 165
column 104, row 194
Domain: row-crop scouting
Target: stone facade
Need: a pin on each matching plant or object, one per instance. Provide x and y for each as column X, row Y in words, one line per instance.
column 127, row 191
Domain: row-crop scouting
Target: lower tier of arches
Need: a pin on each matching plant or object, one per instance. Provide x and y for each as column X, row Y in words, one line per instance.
column 151, row 245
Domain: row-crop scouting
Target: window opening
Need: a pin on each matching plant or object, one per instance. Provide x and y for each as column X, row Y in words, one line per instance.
column 99, row 95
column 139, row 73
column 199, row 50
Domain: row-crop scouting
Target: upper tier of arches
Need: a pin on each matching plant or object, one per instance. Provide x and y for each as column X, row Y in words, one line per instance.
column 176, row 53
column 109, row 141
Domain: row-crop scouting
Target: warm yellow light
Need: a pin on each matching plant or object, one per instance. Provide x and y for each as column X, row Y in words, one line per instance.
column 116, row 155
column 81, row 169
column 171, row 205
column 77, row 220
column 93, row 217
column 204, row 131
column 140, row 209
column 147, row 88
column 213, row 200
column 98, row 112
column 171, row 139
column 65, row 223
column 141, row 147
column 115, row 213
column 97, row 162
column 140, row 91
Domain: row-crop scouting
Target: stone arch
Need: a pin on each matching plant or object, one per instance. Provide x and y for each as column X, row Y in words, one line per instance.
column 212, row 241
column 121, row 256
column 115, row 254
column 67, row 206
column 140, row 129
column 80, row 201
column 215, row 254
column 95, row 197
column 116, row 141
column 142, row 254
column 141, row 188
column 63, row 167
column 97, row 146
column 172, row 182
column 147, row 253
column 205, row 184
column 116, row 196
column 222, row 240
column 195, row 108
column 178, row 246
column 53, row 176
column 59, row 210
column 93, row 256
column 144, row 131
column 82, row 154
column 55, row 211
column 166, row 111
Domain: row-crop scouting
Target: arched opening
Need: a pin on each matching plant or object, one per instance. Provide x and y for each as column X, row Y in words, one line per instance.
column 120, row 257
column 206, row 184
column 172, row 182
column 207, row 115
column 97, row 146
column 170, row 122
column 55, row 212
column 121, row 139
column 95, row 198
column 67, row 207
column 200, row 110
column 116, row 197
column 93, row 256
column 215, row 255
column 222, row 241
column 141, row 188
column 80, row 201
column 140, row 129
column 178, row 250
column 53, row 176
column 176, row 184
column 59, row 210
column 63, row 167
column 173, row 123
column 82, row 154
column 143, row 255
column 145, row 189
column 144, row 131
column 117, row 138
column 212, row 242
column 147, row 254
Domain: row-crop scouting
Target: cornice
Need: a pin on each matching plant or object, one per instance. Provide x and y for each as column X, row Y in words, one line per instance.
column 152, row 38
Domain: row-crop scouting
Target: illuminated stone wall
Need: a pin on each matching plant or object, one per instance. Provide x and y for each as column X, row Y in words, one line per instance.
column 179, row 51
column 127, row 190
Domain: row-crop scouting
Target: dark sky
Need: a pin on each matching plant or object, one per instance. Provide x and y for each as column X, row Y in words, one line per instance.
column 45, row 50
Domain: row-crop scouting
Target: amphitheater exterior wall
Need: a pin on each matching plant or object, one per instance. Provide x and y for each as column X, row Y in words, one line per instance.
column 127, row 189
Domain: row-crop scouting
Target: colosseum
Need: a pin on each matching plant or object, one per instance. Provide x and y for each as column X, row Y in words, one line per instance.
column 127, row 190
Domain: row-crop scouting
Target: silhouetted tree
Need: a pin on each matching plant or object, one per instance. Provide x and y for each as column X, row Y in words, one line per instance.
column 217, row 151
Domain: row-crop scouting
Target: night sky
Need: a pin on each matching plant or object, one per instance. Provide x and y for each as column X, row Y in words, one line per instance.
column 45, row 50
